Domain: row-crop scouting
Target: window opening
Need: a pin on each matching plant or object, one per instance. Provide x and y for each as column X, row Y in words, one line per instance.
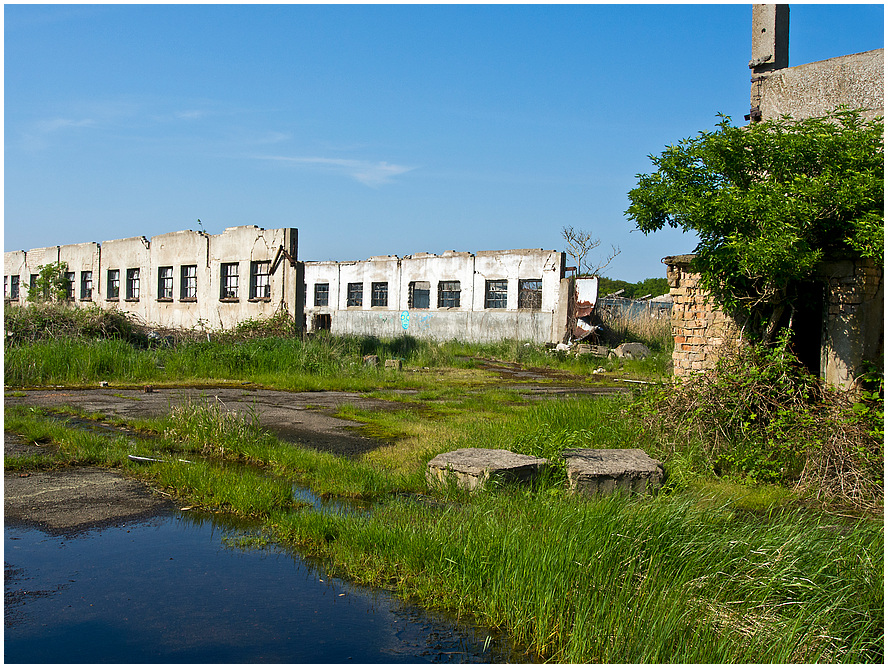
column 188, row 282
column 322, row 294
column 322, row 321
column 418, row 294
column 165, row 283
column 14, row 286
column 496, row 293
column 114, row 284
column 380, row 294
column 229, row 280
column 530, row 294
column 69, row 285
column 132, row 283
column 355, row 294
column 448, row 294
column 86, row 285
column 260, row 279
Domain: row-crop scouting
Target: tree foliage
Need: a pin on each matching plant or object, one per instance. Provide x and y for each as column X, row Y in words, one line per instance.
column 52, row 283
column 649, row 286
column 769, row 201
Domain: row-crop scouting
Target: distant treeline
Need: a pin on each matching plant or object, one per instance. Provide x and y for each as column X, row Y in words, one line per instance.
column 649, row 286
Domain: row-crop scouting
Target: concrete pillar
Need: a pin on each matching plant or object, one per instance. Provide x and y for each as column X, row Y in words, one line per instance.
column 770, row 49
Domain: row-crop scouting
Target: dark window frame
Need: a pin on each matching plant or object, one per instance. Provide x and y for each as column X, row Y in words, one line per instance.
column 354, row 295
column 113, row 289
column 229, row 274
column 14, row 287
column 448, row 294
column 165, row 284
column 188, row 283
column 419, row 297
column 86, row 286
column 496, row 293
column 530, row 294
column 322, row 294
column 133, row 283
column 379, row 293
column 260, row 280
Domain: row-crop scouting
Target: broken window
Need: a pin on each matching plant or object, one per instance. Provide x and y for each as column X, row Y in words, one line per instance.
column 229, row 280
column 188, row 282
column 322, row 321
column 14, row 287
column 355, row 294
column 69, row 285
column 86, row 285
column 132, row 284
column 530, row 294
column 448, row 294
column 322, row 294
column 114, row 284
column 6, row 287
column 380, row 294
column 260, row 280
column 165, row 283
column 495, row 293
column 418, row 294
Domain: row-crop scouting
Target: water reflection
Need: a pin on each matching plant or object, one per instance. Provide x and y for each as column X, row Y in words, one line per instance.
column 176, row 588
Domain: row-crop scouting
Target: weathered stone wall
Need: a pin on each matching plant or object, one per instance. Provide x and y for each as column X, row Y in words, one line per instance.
column 854, row 320
column 702, row 332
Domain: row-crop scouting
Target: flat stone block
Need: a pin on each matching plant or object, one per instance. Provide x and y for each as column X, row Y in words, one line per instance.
column 592, row 472
column 472, row 467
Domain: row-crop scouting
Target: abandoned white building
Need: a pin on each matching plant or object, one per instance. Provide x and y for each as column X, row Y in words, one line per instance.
column 179, row 280
column 196, row 280
column 844, row 331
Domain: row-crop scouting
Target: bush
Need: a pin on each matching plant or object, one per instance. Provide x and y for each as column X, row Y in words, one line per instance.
column 46, row 320
column 761, row 417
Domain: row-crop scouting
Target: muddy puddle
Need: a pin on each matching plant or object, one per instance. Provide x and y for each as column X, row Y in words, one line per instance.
column 177, row 588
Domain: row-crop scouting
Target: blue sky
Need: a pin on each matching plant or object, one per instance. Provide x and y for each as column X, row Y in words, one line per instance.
column 375, row 130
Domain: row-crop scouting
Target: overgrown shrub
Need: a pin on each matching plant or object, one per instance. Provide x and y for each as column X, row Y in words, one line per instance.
column 46, row 320
column 760, row 416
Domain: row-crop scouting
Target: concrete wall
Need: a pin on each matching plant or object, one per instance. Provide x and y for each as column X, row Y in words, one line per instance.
column 815, row 89
column 471, row 320
column 147, row 258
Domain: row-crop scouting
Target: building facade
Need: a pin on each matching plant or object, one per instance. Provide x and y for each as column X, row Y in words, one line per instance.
column 194, row 280
column 480, row 297
column 179, row 280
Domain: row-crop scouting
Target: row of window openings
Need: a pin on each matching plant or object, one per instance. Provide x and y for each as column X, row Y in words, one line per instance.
column 530, row 294
column 260, row 283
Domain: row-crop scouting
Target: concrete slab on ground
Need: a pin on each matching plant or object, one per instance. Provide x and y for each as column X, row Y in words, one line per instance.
column 594, row 472
column 471, row 468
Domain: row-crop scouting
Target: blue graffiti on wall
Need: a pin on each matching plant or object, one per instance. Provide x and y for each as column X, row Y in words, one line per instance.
column 405, row 319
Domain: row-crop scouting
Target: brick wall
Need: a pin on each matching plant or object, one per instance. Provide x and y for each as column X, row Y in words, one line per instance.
column 702, row 332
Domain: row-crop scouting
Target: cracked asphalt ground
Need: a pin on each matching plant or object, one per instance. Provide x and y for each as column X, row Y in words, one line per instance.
column 74, row 499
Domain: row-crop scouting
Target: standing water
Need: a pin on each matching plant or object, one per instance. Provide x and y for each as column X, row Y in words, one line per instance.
column 175, row 588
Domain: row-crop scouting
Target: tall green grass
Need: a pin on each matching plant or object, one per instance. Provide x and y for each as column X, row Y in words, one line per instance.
column 621, row 581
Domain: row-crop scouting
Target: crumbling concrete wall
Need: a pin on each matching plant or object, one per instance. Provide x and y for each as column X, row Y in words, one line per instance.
column 854, row 330
column 442, row 297
column 175, row 280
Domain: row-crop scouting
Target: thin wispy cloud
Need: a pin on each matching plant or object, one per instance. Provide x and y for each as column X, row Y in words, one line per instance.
column 37, row 136
column 364, row 171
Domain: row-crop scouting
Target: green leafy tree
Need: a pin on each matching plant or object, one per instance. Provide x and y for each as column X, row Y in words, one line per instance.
column 769, row 201
column 52, row 284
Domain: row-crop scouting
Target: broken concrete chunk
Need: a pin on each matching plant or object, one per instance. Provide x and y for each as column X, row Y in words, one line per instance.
column 393, row 364
column 371, row 360
column 472, row 467
column 633, row 351
column 592, row 472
